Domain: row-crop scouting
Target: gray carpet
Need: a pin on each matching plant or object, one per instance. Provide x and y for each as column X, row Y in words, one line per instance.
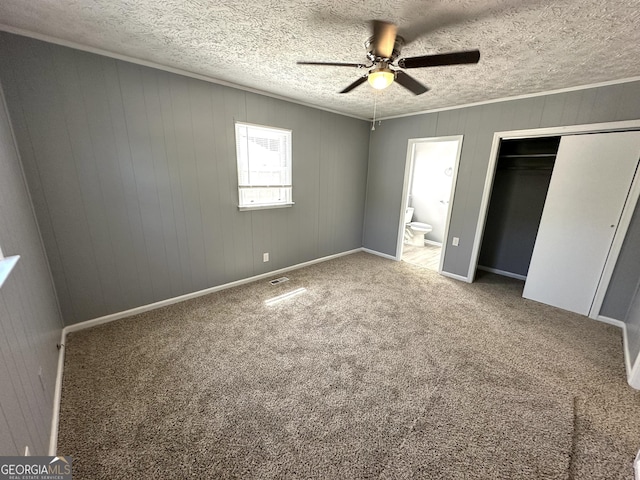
column 380, row 370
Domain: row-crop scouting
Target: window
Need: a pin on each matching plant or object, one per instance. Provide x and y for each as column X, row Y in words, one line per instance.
column 264, row 166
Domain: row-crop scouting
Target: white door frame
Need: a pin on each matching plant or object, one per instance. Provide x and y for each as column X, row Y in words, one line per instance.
column 411, row 147
column 627, row 211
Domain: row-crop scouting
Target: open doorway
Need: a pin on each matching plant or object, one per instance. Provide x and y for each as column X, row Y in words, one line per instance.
column 520, row 184
column 430, row 177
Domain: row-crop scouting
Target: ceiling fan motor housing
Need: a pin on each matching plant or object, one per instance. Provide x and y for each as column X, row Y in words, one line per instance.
column 371, row 55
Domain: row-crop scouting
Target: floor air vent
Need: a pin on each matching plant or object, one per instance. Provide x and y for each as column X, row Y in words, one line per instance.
column 279, row 280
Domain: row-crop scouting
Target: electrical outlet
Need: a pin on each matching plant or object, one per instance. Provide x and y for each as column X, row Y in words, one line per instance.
column 265, row 257
column 456, row 241
column 27, row 453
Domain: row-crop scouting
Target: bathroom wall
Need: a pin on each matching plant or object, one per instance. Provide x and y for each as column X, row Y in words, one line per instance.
column 431, row 185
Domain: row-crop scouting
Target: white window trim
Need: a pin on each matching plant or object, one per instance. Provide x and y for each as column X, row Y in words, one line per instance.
column 266, row 206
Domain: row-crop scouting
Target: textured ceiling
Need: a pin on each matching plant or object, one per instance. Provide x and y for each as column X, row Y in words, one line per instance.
column 526, row 46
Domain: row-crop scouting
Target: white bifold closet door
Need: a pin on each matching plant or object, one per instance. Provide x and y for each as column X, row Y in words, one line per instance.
column 591, row 179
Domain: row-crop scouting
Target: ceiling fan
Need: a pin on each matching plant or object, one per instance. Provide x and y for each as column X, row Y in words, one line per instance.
column 383, row 50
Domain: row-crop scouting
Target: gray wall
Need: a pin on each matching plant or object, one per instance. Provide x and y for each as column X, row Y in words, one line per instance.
column 626, row 274
column 133, row 176
column 30, row 322
column 388, row 149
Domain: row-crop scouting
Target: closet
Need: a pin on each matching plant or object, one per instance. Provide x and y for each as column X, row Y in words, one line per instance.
column 589, row 188
column 554, row 212
column 522, row 177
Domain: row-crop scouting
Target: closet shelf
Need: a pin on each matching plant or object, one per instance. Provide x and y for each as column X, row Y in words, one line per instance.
column 6, row 265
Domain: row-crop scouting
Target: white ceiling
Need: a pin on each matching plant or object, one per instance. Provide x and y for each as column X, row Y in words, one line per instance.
column 526, row 46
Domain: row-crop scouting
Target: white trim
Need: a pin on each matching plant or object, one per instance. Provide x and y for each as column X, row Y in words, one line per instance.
column 484, row 206
column 57, row 396
column 432, row 242
column 634, row 376
column 456, row 277
column 611, row 321
column 268, row 206
column 263, row 127
column 408, row 167
column 380, row 254
column 504, row 273
column 409, row 163
column 625, row 346
column 166, row 68
column 186, row 73
column 53, row 439
column 518, row 97
column 533, row 133
column 632, row 365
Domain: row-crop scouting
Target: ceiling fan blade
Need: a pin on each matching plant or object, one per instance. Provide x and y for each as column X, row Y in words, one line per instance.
column 454, row 58
column 410, row 83
column 358, row 82
column 444, row 14
column 384, row 38
column 334, row 64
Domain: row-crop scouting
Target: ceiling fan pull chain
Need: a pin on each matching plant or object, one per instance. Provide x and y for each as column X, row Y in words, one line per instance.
column 375, row 104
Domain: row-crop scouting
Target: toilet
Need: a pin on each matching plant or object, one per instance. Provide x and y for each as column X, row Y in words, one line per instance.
column 414, row 232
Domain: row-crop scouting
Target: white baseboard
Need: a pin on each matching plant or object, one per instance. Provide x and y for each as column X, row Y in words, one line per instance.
column 57, row 394
column 628, row 363
column 634, row 377
column 456, row 277
column 504, row 273
column 432, row 242
column 170, row 301
column 612, row 321
column 53, row 439
column 380, row 254
column 632, row 364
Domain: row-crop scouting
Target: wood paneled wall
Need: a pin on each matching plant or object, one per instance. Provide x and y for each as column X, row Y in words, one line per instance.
column 30, row 322
column 478, row 124
column 134, row 179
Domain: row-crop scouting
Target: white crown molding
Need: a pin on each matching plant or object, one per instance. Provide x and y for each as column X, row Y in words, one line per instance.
column 517, row 97
column 166, row 68
column 146, row 63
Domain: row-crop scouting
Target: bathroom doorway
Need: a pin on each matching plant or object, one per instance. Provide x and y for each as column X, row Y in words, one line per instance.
column 429, row 185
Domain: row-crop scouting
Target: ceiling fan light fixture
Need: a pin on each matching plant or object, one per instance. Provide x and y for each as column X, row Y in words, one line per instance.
column 381, row 78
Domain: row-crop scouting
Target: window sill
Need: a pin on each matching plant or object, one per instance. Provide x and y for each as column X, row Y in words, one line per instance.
column 6, row 265
column 267, row 206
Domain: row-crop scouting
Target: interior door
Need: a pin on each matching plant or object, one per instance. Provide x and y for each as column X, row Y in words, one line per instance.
column 589, row 186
